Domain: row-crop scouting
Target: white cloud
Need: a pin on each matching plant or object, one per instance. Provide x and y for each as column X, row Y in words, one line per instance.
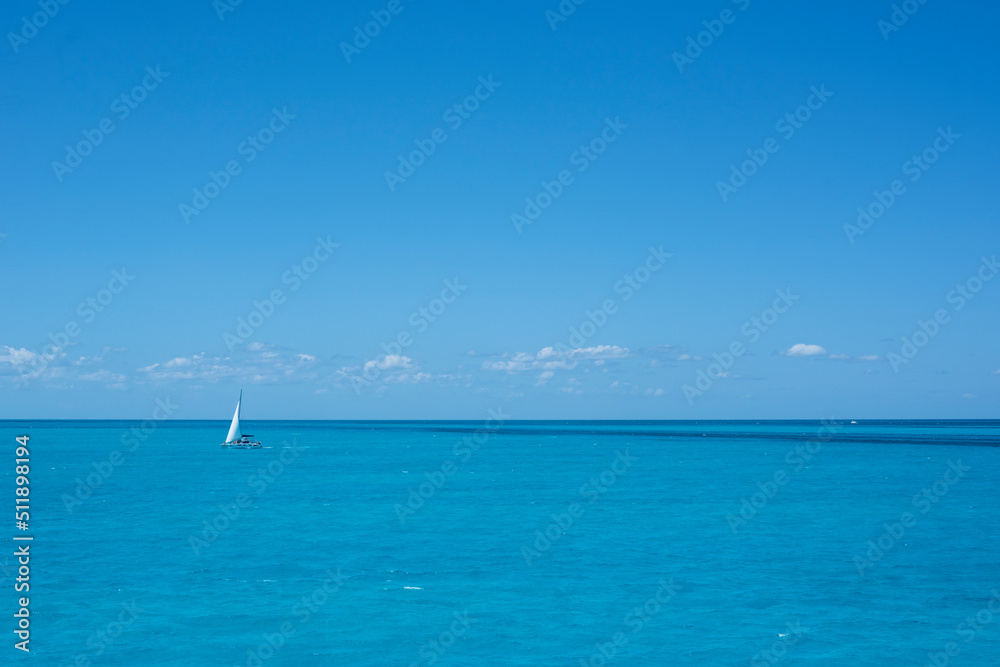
column 104, row 376
column 598, row 352
column 544, row 377
column 403, row 370
column 804, row 350
column 523, row 361
column 260, row 365
column 110, row 380
column 390, row 362
column 18, row 356
column 55, row 369
column 550, row 359
column 49, row 365
column 408, row 378
column 659, row 351
column 864, row 357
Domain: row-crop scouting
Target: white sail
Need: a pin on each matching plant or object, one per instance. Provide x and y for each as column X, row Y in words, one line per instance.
column 234, row 429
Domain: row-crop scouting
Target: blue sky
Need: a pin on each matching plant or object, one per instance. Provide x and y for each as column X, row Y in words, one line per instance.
column 613, row 111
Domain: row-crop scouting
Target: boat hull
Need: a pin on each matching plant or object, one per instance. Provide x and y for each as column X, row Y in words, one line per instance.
column 241, row 445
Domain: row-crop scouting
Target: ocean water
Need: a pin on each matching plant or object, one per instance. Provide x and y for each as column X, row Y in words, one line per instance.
column 526, row 543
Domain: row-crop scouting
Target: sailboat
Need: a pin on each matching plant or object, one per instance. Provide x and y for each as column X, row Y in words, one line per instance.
column 236, row 439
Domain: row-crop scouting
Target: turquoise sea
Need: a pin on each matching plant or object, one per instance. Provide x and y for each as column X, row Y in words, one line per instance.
column 513, row 543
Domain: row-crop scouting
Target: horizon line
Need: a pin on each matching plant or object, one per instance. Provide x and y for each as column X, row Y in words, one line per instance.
column 514, row 421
